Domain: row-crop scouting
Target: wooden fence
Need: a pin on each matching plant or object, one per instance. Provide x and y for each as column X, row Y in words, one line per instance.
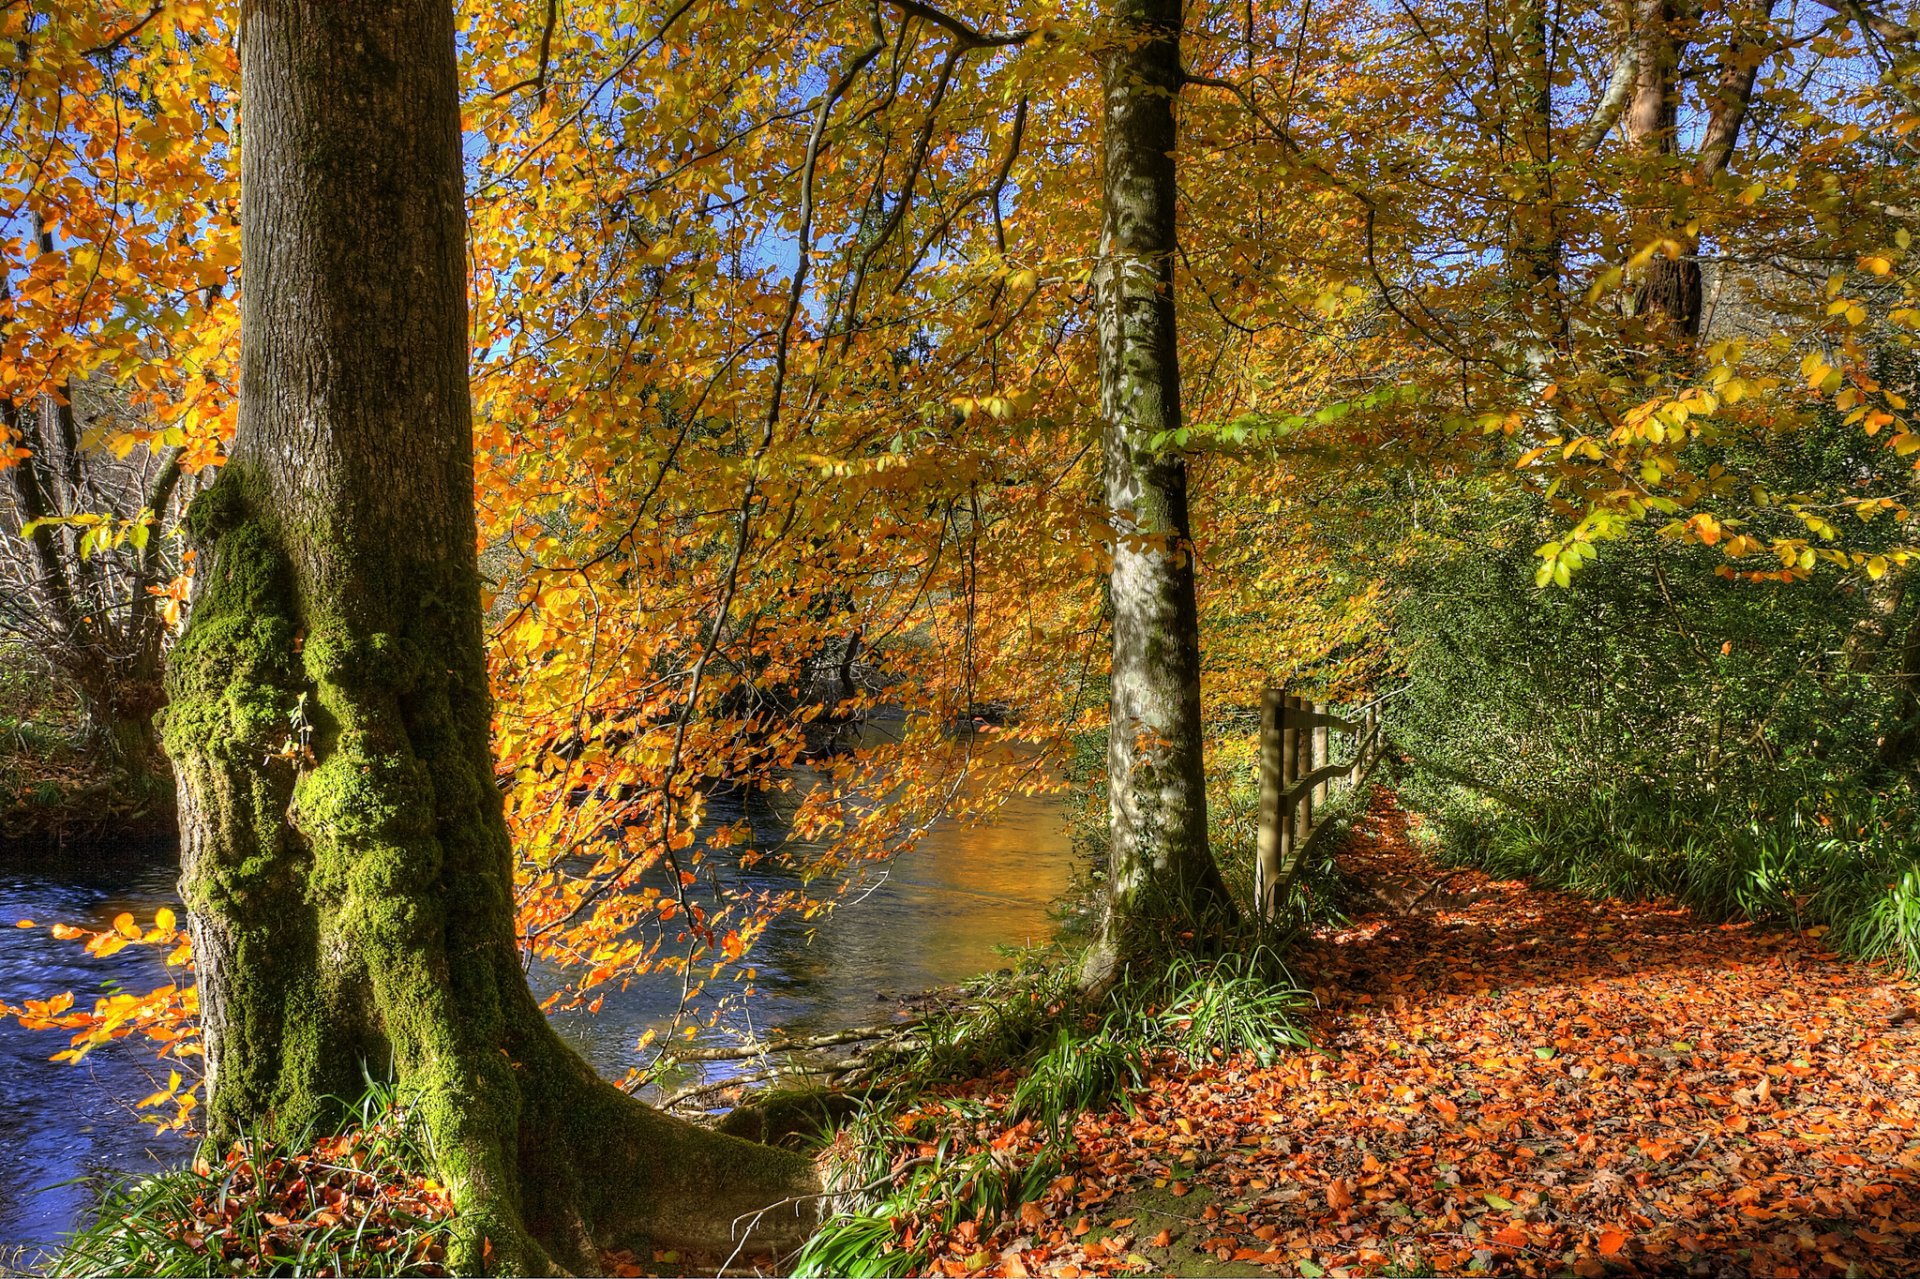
column 1297, row 776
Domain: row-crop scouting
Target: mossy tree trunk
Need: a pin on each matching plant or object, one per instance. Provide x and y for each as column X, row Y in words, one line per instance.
column 346, row 863
column 1161, row 879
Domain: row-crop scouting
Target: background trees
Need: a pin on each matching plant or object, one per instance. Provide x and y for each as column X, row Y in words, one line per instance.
column 115, row 313
column 88, row 566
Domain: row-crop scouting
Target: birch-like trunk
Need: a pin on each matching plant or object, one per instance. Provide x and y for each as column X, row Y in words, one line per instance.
column 1161, row 877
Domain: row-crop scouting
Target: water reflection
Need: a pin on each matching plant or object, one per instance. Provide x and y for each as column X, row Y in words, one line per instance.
column 934, row 917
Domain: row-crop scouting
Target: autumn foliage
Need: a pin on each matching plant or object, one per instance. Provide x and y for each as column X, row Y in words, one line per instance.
column 785, row 384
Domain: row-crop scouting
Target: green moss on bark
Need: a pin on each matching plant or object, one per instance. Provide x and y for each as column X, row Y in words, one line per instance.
column 232, row 728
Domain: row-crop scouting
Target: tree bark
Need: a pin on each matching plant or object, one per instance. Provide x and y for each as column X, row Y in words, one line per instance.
column 1900, row 735
column 346, row 864
column 1669, row 297
column 1161, row 877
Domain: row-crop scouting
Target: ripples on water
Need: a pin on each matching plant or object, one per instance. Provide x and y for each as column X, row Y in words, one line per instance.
column 59, row 1123
column 934, row 917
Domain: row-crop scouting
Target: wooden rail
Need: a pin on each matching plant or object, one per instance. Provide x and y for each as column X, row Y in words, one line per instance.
column 1297, row 774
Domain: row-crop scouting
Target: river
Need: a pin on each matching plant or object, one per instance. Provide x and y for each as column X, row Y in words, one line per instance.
column 936, row 916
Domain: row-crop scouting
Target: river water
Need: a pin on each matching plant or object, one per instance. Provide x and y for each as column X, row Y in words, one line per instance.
column 936, row 916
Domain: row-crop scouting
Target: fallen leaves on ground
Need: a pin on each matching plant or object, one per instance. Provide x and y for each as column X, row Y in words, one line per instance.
column 1519, row 1082
column 342, row 1207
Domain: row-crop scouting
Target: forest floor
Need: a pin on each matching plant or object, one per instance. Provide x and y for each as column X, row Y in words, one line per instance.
column 1512, row 1080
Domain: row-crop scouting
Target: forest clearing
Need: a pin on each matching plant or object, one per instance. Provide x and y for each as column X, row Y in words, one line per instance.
column 885, row 637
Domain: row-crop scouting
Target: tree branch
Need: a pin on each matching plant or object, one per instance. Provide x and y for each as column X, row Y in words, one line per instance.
column 970, row 37
column 119, row 42
column 538, row 80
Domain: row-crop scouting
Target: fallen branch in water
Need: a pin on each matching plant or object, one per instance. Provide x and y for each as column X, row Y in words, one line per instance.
column 712, row 1086
column 762, row 1048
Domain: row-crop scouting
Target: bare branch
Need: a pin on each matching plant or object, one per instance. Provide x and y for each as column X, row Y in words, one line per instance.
column 970, row 37
column 1886, row 28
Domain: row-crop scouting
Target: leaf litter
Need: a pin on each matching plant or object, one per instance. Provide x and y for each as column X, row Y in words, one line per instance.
column 1515, row 1081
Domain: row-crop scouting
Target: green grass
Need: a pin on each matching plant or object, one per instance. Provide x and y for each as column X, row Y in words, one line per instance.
column 925, row 1149
column 1238, row 1003
column 1846, row 859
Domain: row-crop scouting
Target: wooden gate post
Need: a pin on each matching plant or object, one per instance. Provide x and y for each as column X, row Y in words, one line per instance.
column 1283, row 816
column 1322, row 756
column 1303, row 813
column 1271, row 859
column 1302, row 765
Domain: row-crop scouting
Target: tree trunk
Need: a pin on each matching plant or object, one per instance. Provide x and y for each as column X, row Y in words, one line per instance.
column 1900, row 736
column 121, row 704
column 1161, row 878
column 1535, row 253
column 346, row 864
column 1667, row 296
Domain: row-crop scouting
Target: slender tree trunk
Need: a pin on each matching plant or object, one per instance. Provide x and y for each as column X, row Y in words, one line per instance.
column 1161, row 877
column 1535, row 253
column 345, row 860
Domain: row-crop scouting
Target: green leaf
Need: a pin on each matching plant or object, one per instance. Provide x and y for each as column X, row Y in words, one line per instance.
column 1495, row 1201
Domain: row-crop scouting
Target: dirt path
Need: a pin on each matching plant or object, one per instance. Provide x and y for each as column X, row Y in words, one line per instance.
column 1517, row 1081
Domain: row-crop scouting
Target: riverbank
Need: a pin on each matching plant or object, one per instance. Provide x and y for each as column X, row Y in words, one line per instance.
column 56, row 788
column 931, row 921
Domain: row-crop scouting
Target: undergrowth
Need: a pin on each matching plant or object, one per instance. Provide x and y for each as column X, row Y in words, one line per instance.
column 978, row 1117
column 1842, row 861
column 358, row 1201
